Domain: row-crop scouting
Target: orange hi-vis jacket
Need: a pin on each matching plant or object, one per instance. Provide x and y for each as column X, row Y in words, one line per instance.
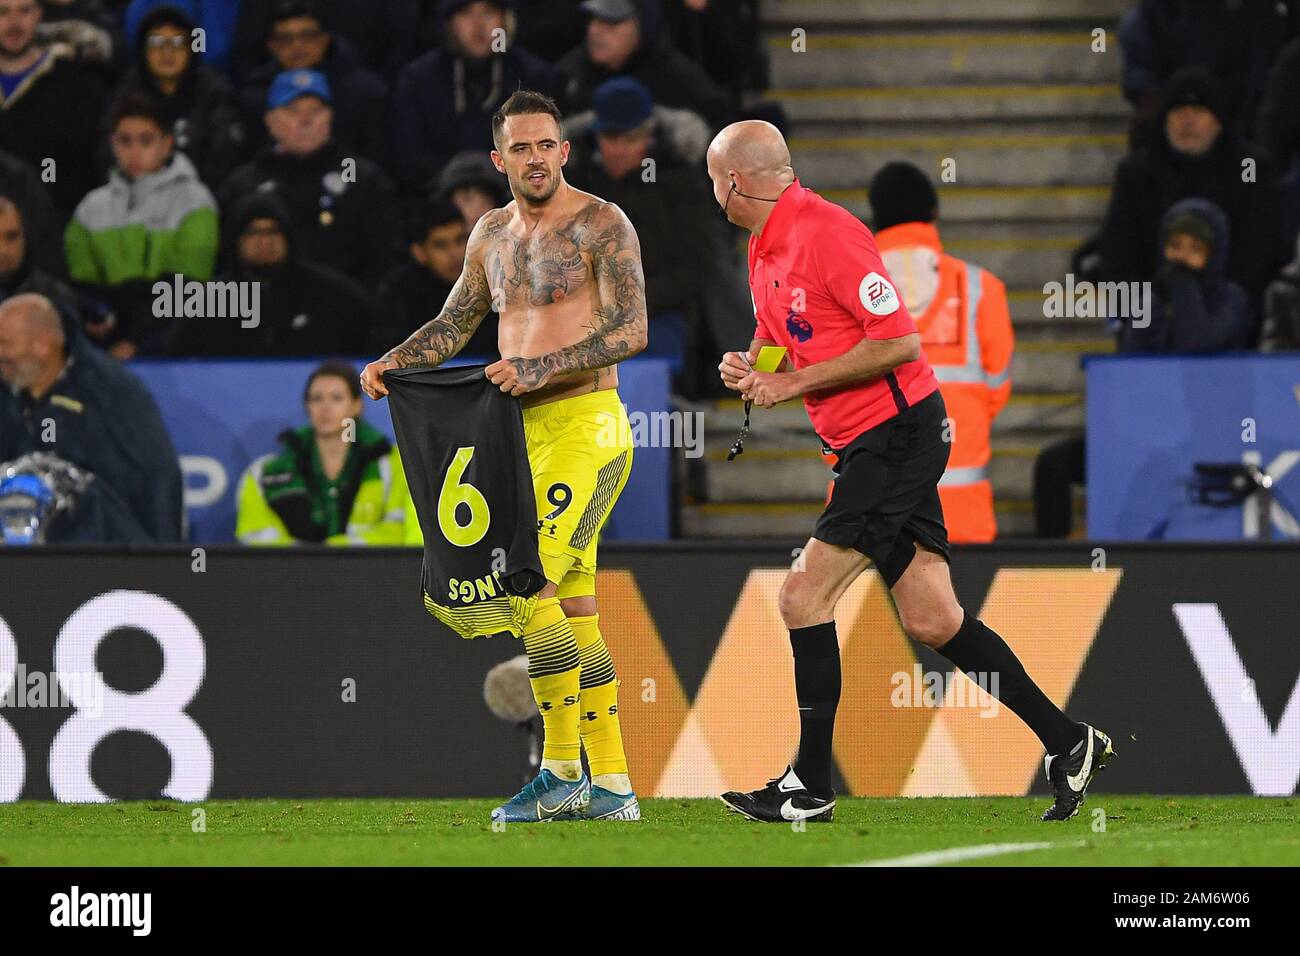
column 965, row 325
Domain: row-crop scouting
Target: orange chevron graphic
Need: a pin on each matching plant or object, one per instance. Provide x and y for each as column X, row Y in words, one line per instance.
column 1049, row 617
column 744, row 726
column 745, row 720
column 875, row 742
column 652, row 706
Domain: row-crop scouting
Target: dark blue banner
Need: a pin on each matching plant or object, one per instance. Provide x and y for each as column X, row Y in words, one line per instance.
column 222, row 414
column 1153, row 420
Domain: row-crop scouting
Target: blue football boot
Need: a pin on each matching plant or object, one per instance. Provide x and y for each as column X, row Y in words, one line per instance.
column 608, row 805
column 545, row 798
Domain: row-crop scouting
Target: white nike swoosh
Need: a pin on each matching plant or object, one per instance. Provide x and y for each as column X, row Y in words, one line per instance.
column 790, row 812
column 1080, row 780
column 544, row 811
column 565, row 804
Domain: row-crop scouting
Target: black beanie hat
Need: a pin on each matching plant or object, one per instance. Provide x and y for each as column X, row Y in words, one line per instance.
column 1195, row 86
column 1191, row 224
column 899, row 193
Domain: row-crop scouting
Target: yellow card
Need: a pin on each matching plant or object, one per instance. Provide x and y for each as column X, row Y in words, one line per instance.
column 769, row 357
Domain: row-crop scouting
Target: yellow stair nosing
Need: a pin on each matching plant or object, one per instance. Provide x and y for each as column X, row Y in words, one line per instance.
column 988, row 90
column 979, row 141
column 992, row 192
column 911, row 41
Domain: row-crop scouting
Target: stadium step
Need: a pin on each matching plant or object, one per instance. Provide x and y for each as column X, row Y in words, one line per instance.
column 1024, row 411
column 792, row 474
column 959, row 204
column 886, row 13
column 952, row 104
column 1033, row 120
column 977, row 159
column 940, row 58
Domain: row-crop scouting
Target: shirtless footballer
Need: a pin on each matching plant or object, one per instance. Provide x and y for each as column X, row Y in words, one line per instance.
column 562, row 269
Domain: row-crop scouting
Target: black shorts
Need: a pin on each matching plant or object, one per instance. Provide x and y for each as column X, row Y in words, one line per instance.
column 886, row 494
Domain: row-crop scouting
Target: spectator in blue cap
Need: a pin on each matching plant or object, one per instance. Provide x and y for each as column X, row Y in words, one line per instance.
column 298, row 37
column 340, row 203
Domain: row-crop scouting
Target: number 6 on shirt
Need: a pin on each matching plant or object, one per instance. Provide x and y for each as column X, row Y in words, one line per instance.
column 456, row 493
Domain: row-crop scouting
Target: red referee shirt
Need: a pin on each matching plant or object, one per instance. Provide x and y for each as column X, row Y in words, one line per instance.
column 819, row 289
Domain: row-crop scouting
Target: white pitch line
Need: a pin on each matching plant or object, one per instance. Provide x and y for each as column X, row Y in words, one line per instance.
column 959, row 853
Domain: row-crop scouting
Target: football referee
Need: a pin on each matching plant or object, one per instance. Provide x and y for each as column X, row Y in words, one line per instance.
column 821, row 291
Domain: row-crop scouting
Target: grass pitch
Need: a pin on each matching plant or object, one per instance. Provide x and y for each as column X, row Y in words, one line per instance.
column 1138, row 831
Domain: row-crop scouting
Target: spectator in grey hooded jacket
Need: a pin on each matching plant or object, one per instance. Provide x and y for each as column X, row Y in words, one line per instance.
column 1194, row 307
column 153, row 220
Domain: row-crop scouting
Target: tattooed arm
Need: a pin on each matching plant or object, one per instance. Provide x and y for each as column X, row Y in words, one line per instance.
column 618, row 327
column 446, row 334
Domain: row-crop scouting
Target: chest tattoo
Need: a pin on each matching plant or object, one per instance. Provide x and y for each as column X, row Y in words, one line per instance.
column 543, row 269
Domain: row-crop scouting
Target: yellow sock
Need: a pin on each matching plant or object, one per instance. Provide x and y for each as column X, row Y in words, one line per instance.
column 553, row 671
column 602, row 737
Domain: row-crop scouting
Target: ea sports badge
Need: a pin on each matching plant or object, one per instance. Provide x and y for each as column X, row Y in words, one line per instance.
column 877, row 294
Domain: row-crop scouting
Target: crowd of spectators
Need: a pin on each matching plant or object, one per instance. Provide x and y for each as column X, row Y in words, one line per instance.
column 337, row 155
column 316, row 146
column 1205, row 206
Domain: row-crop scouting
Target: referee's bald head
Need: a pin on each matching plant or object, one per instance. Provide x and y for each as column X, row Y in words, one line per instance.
column 749, row 164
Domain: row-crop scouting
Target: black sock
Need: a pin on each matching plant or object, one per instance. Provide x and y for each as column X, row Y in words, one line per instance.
column 979, row 649
column 817, row 684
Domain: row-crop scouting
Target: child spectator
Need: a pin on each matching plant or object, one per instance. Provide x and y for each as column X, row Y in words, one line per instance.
column 436, row 235
column 153, row 219
column 1193, row 307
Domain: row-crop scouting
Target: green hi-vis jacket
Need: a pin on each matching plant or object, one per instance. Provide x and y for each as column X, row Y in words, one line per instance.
column 285, row 498
column 159, row 225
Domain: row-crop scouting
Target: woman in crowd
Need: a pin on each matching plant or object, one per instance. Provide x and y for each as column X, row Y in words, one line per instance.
column 335, row 481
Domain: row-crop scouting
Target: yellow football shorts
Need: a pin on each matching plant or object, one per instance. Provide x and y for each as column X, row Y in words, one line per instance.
column 580, row 451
